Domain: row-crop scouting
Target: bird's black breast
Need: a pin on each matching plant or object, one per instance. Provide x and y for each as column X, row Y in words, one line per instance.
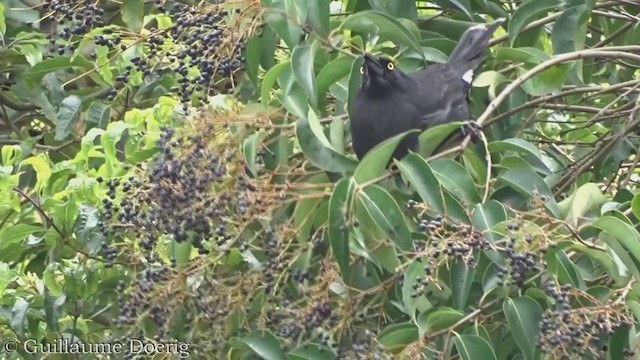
column 379, row 115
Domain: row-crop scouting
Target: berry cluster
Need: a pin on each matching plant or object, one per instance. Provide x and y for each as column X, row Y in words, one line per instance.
column 584, row 331
column 448, row 241
column 519, row 264
column 71, row 18
column 202, row 48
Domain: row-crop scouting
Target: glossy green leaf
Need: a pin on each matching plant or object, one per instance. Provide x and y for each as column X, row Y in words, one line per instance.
column 98, row 115
column 397, row 337
column 473, row 347
column 547, row 81
column 133, row 14
column 635, row 205
column 68, row 115
column 418, row 173
column 459, row 5
column 442, row 318
column 384, row 210
column 252, row 53
column 526, row 182
column 317, row 148
column 35, row 73
column 318, row 17
column 283, row 16
column 3, row 23
column 264, row 344
column 460, row 282
column 19, row 315
column 526, row 13
column 523, row 317
column 332, row 72
column 374, row 163
column 586, row 198
column 387, row 27
column 269, row 81
column 339, row 213
column 570, row 28
column 302, row 63
column 624, row 233
column 455, row 178
column 486, row 216
column 430, row 139
column 410, row 300
column 313, row 352
column 250, row 149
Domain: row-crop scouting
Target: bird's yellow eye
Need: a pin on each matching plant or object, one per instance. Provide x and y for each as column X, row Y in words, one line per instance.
column 390, row 66
column 361, row 69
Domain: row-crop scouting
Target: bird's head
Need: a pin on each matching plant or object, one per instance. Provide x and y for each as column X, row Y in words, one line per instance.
column 380, row 73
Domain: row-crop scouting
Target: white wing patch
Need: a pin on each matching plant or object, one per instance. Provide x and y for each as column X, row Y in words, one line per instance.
column 468, row 77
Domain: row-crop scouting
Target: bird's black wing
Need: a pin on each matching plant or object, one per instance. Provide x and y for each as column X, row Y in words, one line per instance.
column 443, row 94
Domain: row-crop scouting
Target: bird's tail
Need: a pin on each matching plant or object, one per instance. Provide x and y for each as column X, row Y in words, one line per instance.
column 473, row 42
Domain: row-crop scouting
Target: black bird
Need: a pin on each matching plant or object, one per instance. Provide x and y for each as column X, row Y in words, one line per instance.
column 390, row 102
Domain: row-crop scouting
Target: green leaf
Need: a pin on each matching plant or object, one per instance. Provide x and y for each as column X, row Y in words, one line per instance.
column 396, row 337
column 473, row 347
column 50, row 280
column 418, row 173
column 313, row 352
column 3, row 23
column 586, row 198
column 318, row 17
column 108, row 140
column 86, row 229
column 269, row 81
column 67, row 116
column 11, row 235
column 339, row 213
column 264, row 344
column 19, row 315
column 250, row 148
column 559, row 264
column 374, row 163
column 332, row 72
column 460, row 5
column 42, row 167
column 519, row 146
column 460, row 282
column 523, row 317
column 526, row 13
column 252, row 54
column 388, row 28
column 353, row 83
column 455, row 178
column 442, row 318
column 635, row 205
column 430, row 139
column 317, row 148
column 302, row 63
column 34, row 74
column 133, row 14
column 305, row 212
column 283, row 16
column 486, row 216
column 98, row 115
column 624, row 233
column 527, row 182
column 384, row 210
column 547, row 81
column 410, row 301
column 570, row 29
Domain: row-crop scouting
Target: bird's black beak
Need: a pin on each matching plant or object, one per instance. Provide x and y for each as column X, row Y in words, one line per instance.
column 372, row 65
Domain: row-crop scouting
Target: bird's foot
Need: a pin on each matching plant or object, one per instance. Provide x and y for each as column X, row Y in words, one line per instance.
column 471, row 129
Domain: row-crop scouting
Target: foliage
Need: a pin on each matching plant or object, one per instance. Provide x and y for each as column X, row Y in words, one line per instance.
column 181, row 174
